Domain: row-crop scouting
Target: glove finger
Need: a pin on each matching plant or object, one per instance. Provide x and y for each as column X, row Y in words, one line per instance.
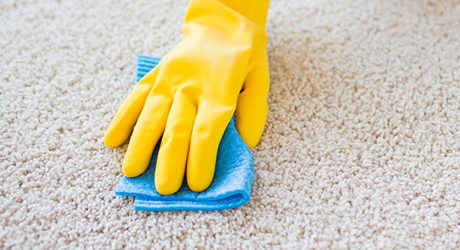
column 146, row 134
column 123, row 122
column 208, row 129
column 251, row 110
column 172, row 158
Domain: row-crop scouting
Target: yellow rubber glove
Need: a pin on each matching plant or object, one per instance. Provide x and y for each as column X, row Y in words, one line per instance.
column 219, row 68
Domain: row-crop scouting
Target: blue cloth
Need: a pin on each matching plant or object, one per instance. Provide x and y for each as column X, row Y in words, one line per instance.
column 230, row 187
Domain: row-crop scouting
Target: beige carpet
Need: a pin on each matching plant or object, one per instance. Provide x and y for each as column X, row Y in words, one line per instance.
column 361, row 148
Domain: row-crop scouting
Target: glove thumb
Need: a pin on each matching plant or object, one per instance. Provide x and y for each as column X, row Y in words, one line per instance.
column 251, row 109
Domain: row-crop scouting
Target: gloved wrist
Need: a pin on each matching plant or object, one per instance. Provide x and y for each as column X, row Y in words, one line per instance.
column 254, row 13
column 254, row 10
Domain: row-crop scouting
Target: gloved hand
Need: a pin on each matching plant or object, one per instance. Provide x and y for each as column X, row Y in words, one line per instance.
column 220, row 66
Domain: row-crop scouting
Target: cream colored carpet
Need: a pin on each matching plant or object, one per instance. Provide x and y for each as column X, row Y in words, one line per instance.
column 361, row 148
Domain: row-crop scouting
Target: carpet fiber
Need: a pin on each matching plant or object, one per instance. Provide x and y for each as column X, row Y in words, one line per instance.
column 361, row 147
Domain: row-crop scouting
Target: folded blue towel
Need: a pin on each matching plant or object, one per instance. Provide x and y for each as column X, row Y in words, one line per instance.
column 230, row 188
